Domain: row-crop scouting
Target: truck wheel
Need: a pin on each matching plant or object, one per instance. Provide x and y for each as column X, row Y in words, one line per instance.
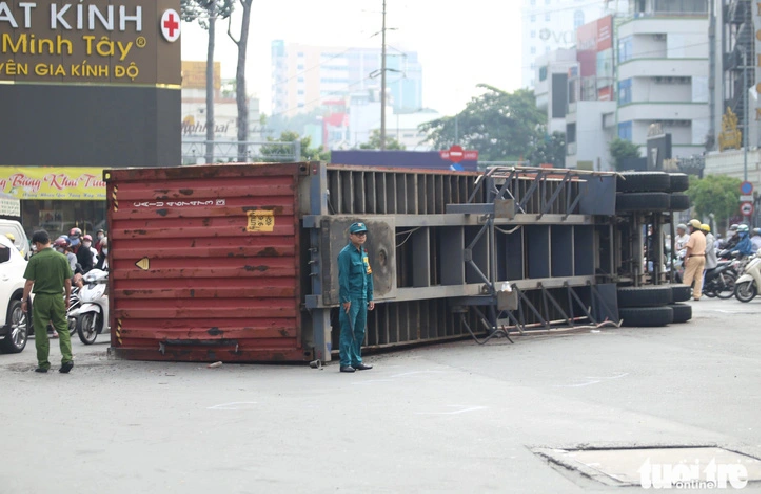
column 644, row 296
column 646, row 317
column 643, row 182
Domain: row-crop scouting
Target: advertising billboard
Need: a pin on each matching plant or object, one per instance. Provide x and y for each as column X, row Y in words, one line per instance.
column 53, row 183
column 100, row 42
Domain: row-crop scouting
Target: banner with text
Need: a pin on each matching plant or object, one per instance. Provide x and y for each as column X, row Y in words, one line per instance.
column 61, row 184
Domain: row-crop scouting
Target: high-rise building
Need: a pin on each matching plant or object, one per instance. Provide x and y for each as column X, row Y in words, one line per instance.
column 662, row 73
column 551, row 24
column 305, row 76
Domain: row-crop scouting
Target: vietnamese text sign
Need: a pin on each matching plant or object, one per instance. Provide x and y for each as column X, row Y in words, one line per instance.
column 120, row 42
column 53, row 183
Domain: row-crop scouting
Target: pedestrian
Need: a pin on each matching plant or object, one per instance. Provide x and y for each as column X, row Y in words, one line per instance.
column 103, row 258
column 695, row 259
column 99, row 236
column 48, row 275
column 84, row 255
column 355, row 283
column 680, row 241
column 711, row 260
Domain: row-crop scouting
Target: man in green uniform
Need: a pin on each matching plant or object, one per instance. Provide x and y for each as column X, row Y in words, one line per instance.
column 49, row 273
column 355, row 284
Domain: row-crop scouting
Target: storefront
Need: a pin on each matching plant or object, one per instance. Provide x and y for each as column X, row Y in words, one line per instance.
column 57, row 199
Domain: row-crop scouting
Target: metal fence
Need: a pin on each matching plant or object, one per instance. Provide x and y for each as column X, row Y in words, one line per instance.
column 194, row 151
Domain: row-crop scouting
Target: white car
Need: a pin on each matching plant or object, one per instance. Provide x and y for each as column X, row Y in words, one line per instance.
column 14, row 325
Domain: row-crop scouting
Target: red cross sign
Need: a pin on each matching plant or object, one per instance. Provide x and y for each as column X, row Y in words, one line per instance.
column 170, row 25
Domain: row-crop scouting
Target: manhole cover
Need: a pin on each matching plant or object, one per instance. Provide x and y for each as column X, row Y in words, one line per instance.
column 660, row 467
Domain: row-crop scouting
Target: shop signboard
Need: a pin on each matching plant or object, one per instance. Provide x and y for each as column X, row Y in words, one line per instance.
column 60, row 184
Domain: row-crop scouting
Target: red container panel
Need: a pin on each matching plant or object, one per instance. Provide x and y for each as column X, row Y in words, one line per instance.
column 205, row 262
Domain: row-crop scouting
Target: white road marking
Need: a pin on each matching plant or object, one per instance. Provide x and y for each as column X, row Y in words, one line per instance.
column 232, row 405
column 594, row 380
column 456, row 412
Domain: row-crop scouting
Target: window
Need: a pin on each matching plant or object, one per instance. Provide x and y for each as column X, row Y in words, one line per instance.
column 533, row 18
column 624, row 49
column 625, row 92
column 547, row 2
column 547, row 16
column 578, row 19
column 300, row 79
column 533, row 50
column 299, row 67
column 625, row 130
column 570, row 133
column 533, row 2
column 533, row 33
column 300, row 92
column 533, row 66
column 300, row 54
column 543, row 73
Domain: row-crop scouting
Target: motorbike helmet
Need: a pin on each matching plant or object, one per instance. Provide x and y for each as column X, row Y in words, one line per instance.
column 706, row 227
column 681, row 226
column 742, row 229
column 757, row 231
column 733, row 226
column 10, row 237
column 695, row 224
column 75, row 233
column 87, row 238
column 60, row 242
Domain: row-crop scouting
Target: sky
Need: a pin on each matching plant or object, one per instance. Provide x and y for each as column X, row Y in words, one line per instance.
column 459, row 44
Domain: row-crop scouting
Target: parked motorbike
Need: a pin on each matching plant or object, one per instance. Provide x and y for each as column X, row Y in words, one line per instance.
column 92, row 316
column 748, row 284
column 720, row 281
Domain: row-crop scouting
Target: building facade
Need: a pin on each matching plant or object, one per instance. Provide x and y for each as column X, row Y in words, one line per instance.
column 551, row 24
column 304, row 76
column 663, row 73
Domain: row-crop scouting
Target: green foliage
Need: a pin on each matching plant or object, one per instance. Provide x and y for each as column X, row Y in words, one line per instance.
column 308, row 153
column 548, row 148
column 717, row 194
column 201, row 10
column 620, row 149
column 391, row 143
column 501, row 126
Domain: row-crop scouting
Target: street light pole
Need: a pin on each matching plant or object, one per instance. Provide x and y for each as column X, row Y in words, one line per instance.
column 383, row 82
column 745, row 115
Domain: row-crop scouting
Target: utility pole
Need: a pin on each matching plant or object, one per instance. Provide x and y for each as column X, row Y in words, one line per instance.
column 745, row 112
column 383, row 82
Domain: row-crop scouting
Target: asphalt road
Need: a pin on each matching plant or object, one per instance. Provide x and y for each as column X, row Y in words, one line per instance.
column 448, row 418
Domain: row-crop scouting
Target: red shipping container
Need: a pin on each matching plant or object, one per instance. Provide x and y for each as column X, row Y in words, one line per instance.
column 205, row 262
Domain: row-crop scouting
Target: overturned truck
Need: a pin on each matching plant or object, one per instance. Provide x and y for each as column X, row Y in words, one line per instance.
column 237, row 262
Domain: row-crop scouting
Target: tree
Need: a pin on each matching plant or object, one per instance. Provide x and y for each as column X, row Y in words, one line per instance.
column 240, row 77
column 497, row 124
column 548, row 148
column 308, row 153
column 206, row 12
column 717, row 194
column 391, row 143
column 621, row 149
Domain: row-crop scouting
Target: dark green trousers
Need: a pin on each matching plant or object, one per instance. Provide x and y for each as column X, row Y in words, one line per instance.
column 48, row 308
column 352, row 332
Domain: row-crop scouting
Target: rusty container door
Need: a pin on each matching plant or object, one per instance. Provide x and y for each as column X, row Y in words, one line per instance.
column 205, row 262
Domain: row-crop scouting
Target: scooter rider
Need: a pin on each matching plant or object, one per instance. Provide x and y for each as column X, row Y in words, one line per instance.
column 744, row 245
column 756, row 238
column 84, row 255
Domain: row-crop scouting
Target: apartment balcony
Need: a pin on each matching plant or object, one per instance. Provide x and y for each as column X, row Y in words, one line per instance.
column 666, row 110
column 679, row 67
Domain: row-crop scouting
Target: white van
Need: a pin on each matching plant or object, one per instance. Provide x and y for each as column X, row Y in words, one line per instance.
column 15, row 229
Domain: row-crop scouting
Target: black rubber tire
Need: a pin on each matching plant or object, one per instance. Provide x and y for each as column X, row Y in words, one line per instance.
column 644, row 296
column 682, row 312
column 643, row 182
column 680, row 182
column 84, row 321
column 646, row 202
column 15, row 343
column 646, row 317
column 679, row 202
column 680, row 293
column 745, row 292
